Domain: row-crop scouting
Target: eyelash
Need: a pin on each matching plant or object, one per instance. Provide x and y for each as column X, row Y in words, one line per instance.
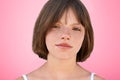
column 55, row 26
column 75, row 28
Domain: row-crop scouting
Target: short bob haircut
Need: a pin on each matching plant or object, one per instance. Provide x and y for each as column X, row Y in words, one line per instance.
column 50, row 14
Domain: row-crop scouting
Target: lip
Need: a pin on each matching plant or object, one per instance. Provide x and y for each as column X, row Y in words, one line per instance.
column 64, row 45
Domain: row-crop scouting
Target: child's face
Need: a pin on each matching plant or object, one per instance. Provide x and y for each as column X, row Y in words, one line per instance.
column 64, row 40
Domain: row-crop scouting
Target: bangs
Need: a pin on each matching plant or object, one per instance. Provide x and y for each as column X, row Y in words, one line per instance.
column 57, row 12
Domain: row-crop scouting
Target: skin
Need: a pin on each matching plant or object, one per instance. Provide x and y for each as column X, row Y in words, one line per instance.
column 61, row 63
column 69, row 31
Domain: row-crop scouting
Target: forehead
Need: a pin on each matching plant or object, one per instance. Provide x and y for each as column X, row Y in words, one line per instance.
column 69, row 16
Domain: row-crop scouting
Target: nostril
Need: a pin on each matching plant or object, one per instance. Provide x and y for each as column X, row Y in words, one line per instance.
column 68, row 38
column 65, row 37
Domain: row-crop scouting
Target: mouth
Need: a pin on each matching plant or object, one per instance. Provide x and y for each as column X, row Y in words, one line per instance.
column 63, row 45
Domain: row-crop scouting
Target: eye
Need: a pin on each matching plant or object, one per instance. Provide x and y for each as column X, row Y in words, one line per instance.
column 76, row 29
column 55, row 26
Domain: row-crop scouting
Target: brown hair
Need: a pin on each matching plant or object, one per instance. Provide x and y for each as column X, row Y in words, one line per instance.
column 50, row 14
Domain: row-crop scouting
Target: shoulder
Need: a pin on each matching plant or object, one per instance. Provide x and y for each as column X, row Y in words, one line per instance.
column 97, row 77
column 19, row 78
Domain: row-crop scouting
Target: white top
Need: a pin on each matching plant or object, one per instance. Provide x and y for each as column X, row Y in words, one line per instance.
column 24, row 77
column 91, row 77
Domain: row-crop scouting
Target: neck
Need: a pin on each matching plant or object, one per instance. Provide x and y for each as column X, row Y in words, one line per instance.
column 55, row 65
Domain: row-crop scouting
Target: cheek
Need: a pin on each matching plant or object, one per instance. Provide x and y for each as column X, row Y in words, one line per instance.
column 78, row 40
column 78, row 36
column 50, row 40
column 50, row 37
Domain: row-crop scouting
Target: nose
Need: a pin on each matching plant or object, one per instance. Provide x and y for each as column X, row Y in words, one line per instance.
column 65, row 35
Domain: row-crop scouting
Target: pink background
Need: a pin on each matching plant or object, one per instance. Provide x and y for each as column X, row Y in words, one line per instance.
column 17, row 18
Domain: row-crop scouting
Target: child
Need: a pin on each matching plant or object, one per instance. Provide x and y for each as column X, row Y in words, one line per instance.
column 63, row 35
